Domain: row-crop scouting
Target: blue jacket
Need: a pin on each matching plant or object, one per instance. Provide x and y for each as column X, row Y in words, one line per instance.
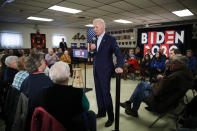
column 157, row 65
column 192, row 63
column 103, row 60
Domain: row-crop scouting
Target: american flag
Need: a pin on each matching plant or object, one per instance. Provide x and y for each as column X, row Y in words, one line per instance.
column 90, row 35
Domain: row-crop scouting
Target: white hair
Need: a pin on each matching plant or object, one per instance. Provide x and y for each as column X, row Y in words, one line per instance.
column 59, row 72
column 50, row 49
column 65, row 51
column 182, row 59
column 9, row 60
column 101, row 20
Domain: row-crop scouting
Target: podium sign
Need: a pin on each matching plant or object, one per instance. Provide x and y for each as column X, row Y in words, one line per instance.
column 78, row 53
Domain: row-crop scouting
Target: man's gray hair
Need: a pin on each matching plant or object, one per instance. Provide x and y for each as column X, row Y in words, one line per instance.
column 33, row 62
column 101, row 20
column 9, row 60
column 181, row 58
column 59, row 72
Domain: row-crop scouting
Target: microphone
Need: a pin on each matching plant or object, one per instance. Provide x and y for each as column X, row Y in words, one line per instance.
column 93, row 43
column 94, row 40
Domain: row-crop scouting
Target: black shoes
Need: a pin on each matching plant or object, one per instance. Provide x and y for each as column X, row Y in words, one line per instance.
column 126, row 105
column 131, row 112
column 109, row 123
column 148, row 108
column 99, row 115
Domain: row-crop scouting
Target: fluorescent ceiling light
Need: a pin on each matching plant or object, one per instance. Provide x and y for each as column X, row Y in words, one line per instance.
column 90, row 25
column 182, row 13
column 123, row 21
column 39, row 18
column 64, row 9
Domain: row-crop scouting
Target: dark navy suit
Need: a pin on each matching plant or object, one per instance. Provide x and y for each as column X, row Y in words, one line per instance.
column 103, row 68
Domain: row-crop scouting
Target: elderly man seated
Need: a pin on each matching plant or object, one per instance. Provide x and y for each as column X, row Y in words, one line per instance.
column 165, row 93
column 67, row 104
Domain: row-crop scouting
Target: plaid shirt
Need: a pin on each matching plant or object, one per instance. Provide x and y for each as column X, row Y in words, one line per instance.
column 19, row 78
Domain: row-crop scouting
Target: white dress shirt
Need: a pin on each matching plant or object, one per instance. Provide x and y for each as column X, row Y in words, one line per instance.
column 100, row 37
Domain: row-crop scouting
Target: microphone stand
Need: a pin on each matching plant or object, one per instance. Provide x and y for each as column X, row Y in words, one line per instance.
column 117, row 110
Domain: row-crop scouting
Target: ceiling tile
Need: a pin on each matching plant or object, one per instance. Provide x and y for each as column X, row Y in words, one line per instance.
column 190, row 4
column 107, row 1
column 142, row 12
column 129, row 14
column 89, row 3
column 110, row 9
column 124, row 6
column 33, row 3
column 161, row 2
column 173, row 6
column 52, row 2
column 141, row 3
column 157, row 10
column 97, row 11
column 74, row 6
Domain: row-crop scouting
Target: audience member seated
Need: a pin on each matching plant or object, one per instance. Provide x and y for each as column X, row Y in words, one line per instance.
column 145, row 66
column 165, row 93
column 149, row 52
column 51, row 57
column 59, row 53
column 168, row 61
column 133, row 62
column 161, row 52
column 36, row 80
column 157, row 66
column 66, row 58
column 21, row 75
column 191, row 61
column 67, row 104
column 138, row 54
column 33, row 51
column 127, row 65
column 129, row 54
column 11, row 69
column 3, row 66
column 11, row 52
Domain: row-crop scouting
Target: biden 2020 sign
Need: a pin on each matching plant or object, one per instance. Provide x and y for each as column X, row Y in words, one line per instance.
column 165, row 37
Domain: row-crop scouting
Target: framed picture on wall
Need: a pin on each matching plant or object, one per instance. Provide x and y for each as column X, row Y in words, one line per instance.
column 38, row 40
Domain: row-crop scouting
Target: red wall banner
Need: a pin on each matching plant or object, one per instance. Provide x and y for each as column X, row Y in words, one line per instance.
column 38, row 40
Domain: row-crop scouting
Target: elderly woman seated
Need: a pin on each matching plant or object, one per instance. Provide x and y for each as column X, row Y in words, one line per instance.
column 22, row 74
column 67, row 104
column 165, row 93
column 66, row 58
column 11, row 69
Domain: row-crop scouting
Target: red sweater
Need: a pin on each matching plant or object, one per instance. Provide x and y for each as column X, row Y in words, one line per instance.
column 133, row 62
column 43, row 121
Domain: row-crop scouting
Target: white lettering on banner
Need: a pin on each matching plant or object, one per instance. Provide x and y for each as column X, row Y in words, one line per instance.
column 144, row 38
column 164, row 50
column 160, row 34
column 170, row 32
column 169, row 37
column 152, row 37
column 172, row 47
column 147, row 47
column 179, row 37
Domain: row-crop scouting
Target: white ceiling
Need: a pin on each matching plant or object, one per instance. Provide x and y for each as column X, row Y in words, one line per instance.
column 140, row 12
